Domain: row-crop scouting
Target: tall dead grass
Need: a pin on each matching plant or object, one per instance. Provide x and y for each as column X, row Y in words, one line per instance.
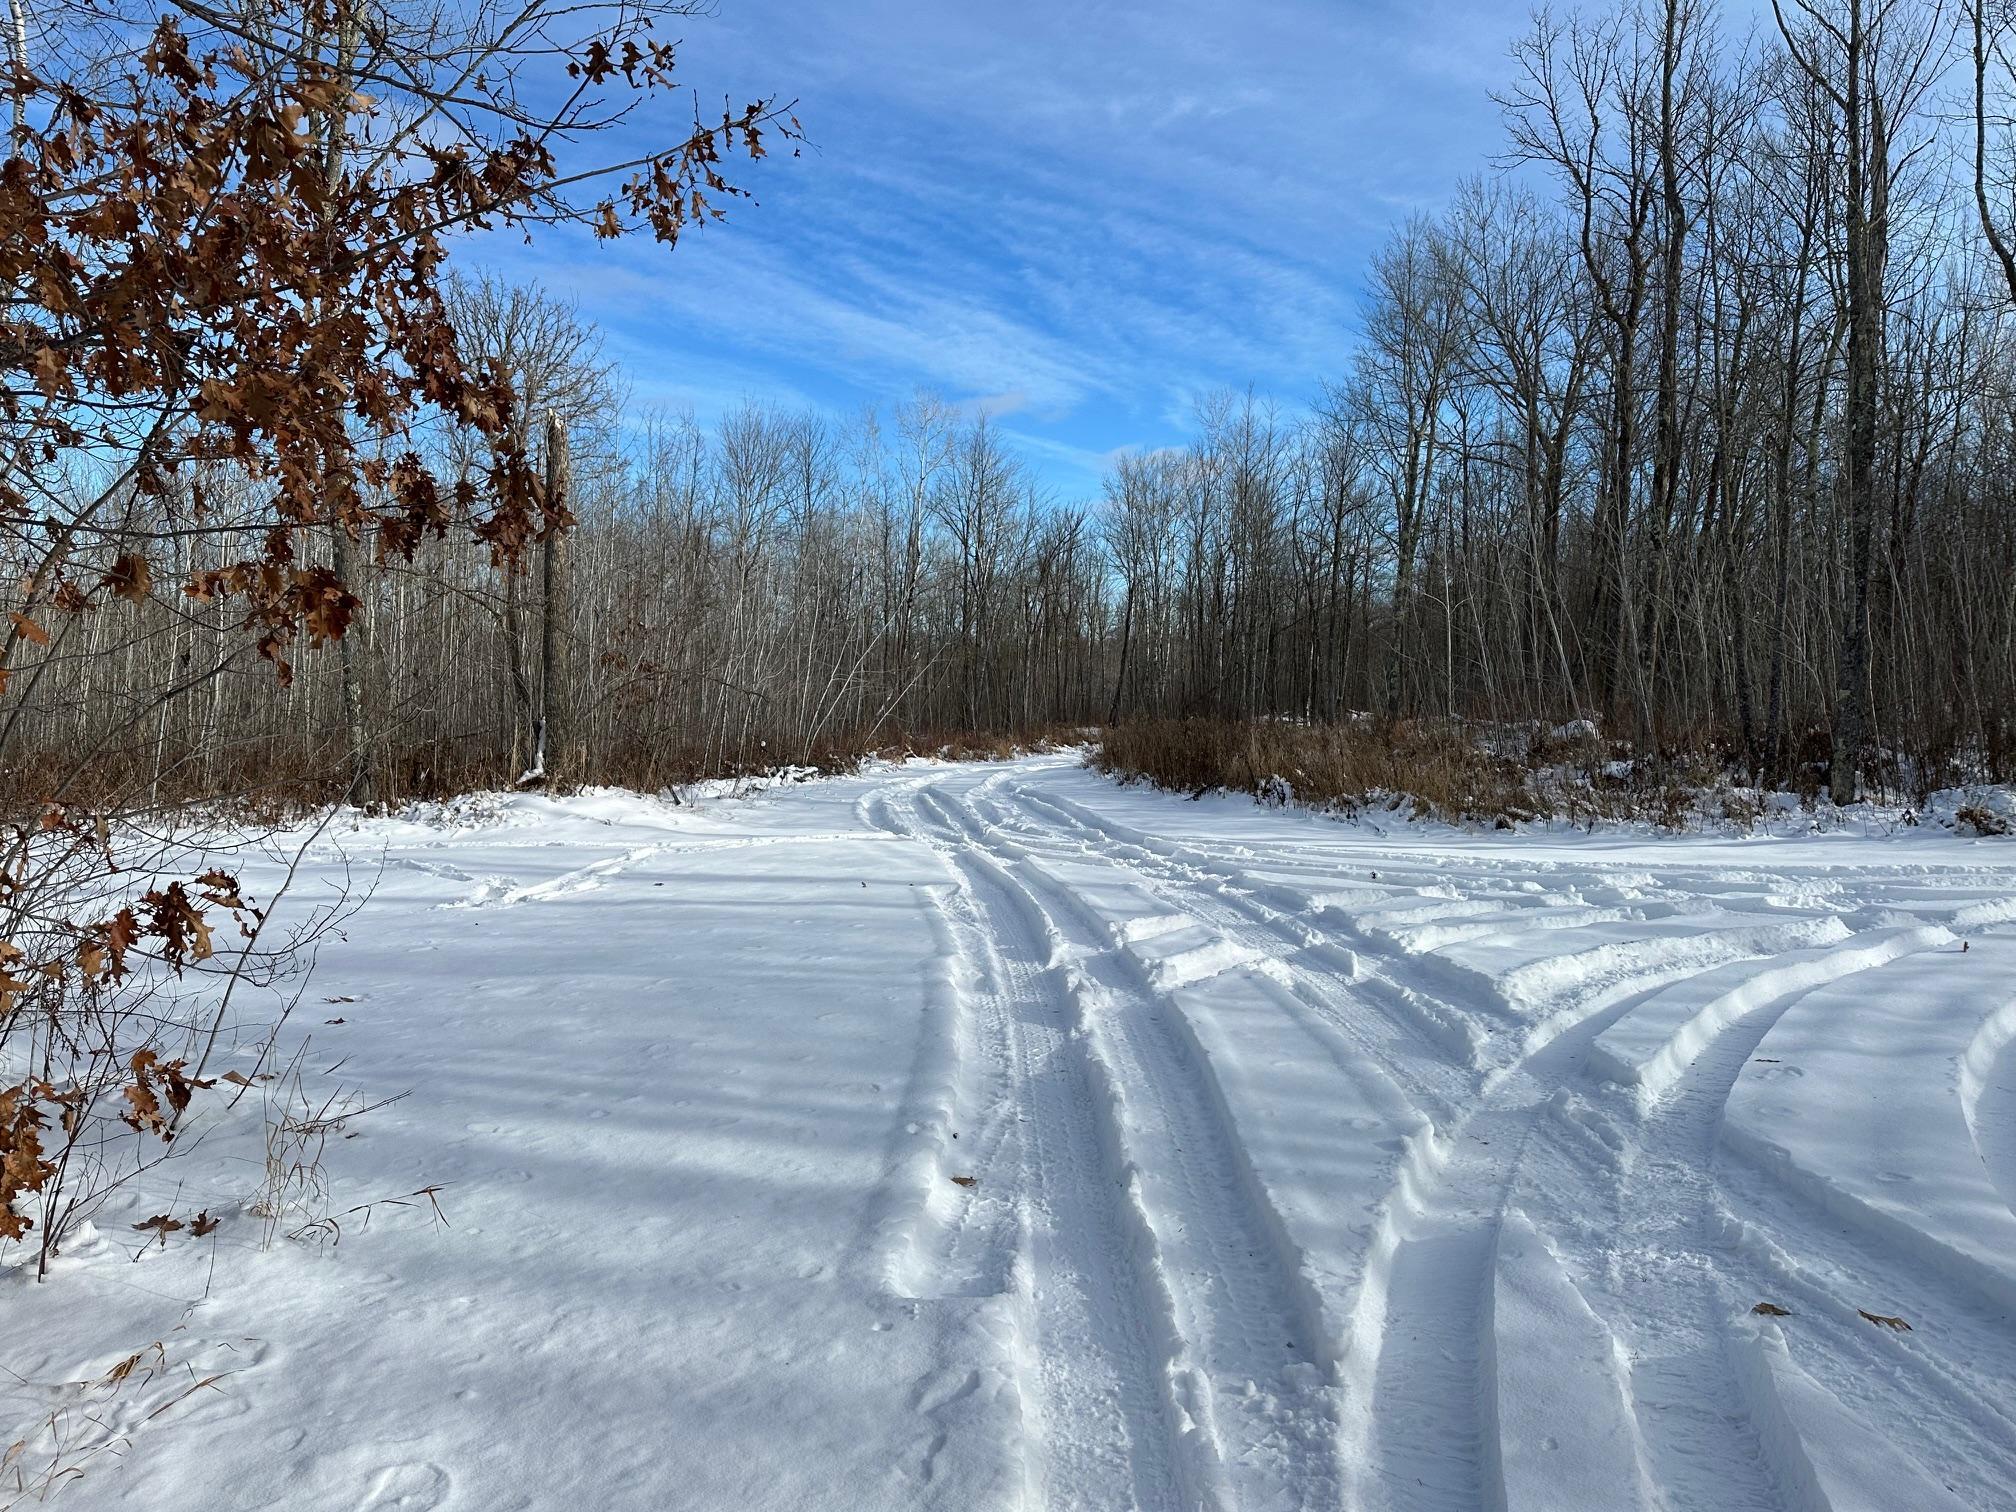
column 1464, row 772
column 274, row 782
column 1434, row 768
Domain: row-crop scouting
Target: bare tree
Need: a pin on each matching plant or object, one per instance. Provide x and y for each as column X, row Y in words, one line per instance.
column 1873, row 60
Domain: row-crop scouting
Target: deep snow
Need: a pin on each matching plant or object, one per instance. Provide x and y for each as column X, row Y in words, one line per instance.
column 970, row 1136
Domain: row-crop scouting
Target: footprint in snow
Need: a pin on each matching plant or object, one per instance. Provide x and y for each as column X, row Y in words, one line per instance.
column 407, row 1488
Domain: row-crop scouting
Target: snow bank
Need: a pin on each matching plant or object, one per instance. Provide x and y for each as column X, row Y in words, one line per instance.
column 1565, row 1437
column 1652, row 1045
column 1829, row 1460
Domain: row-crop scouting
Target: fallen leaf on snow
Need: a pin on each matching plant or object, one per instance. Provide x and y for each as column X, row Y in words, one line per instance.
column 160, row 1224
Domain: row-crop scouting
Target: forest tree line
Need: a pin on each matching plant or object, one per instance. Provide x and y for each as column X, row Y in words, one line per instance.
column 1693, row 415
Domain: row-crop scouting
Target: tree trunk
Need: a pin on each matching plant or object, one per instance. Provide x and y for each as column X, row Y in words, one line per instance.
column 556, row 731
column 1868, row 156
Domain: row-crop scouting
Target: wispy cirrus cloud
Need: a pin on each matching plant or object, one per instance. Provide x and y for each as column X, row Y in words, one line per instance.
column 1071, row 216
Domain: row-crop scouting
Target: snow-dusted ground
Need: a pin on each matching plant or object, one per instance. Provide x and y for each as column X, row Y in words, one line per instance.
column 994, row 1136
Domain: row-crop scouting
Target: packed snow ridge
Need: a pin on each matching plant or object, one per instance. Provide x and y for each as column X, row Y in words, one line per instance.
column 994, row 1136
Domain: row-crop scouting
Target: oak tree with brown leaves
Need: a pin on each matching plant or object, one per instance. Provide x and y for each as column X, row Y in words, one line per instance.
column 225, row 233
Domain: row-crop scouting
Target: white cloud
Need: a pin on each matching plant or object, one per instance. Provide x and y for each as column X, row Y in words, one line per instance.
column 1063, row 212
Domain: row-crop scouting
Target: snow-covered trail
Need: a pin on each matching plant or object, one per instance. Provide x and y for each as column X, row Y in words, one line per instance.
column 970, row 1136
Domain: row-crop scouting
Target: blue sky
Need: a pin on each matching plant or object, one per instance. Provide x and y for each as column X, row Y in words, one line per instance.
column 1075, row 217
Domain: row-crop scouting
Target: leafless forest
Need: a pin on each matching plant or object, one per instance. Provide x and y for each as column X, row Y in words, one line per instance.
column 1691, row 414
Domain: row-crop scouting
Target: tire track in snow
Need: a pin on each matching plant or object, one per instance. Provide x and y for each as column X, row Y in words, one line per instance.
column 1953, row 1369
column 1325, row 977
column 1988, row 1098
column 1098, row 1333
column 1662, row 1282
column 1416, row 1428
column 1253, row 1358
column 1432, row 1319
column 1413, row 988
column 951, row 1222
column 1664, row 1268
column 500, row 890
column 1665, row 1284
column 1416, row 1417
column 1832, row 1260
column 1423, row 1325
column 1414, row 1434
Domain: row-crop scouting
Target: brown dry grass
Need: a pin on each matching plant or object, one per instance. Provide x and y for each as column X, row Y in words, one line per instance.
column 985, row 745
column 1432, row 766
column 276, row 780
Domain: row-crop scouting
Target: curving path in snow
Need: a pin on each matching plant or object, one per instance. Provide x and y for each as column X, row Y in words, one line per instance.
column 975, row 1136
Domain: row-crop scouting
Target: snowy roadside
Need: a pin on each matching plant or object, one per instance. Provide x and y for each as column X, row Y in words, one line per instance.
column 1979, row 812
column 656, row 1056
